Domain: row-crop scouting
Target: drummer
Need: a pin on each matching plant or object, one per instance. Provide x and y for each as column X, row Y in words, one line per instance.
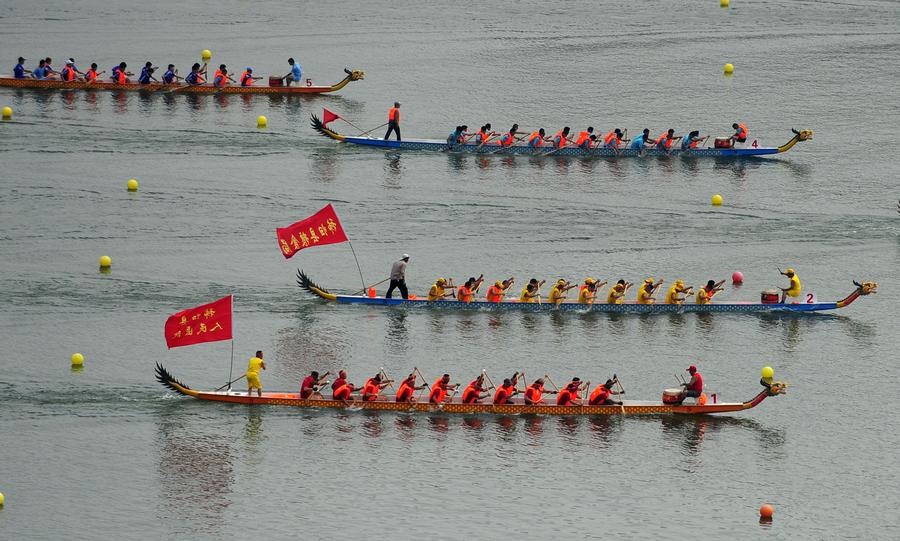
column 694, row 387
column 793, row 290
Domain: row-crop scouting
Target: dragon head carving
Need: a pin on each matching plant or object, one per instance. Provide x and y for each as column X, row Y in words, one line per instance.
column 803, row 135
column 355, row 75
column 866, row 288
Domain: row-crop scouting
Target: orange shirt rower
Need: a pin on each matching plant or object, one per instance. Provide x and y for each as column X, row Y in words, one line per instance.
column 586, row 138
column 472, row 393
column 440, row 388
column 569, row 395
column 374, row 386
column 466, row 292
column 534, row 392
column 601, row 395
column 407, row 388
column 498, row 290
column 505, row 393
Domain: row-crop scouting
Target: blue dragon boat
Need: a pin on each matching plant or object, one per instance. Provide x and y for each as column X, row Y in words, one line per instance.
column 570, row 151
column 862, row 289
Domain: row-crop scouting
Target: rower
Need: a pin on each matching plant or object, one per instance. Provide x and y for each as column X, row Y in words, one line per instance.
column 408, row 388
column 589, row 290
column 665, row 142
column 195, row 77
column 691, row 140
column 740, row 133
column 147, row 74
column 793, row 290
column 398, row 278
column 558, row 292
column 440, row 388
column 646, row 291
column 221, row 77
column 496, row 292
column 338, row 381
column 345, row 392
column 483, row 135
column 472, row 393
column 532, row 292
column 534, row 391
column 91, row 75
column 256, row 363
column 393, row 121
column 40, row 72
column 509, row 137
column 19, row 71
column 374, row 386
column 49, row 72
column 247, row 77
column 568, row 396
column 694, row 387
column 119, row 74
column 601, row 395
column 171, row 75
column 309, row 388
column 536, row 139
column 467, row 291
column 438, row 291
column 505, row 392
column 561, row 138
column 585, row 138
column 613, row 139
column 69, row 72
column 705, row 295
column 617, row 292
column 642, row 140
column 458, row 136
column 295, row 74
column 677, row 293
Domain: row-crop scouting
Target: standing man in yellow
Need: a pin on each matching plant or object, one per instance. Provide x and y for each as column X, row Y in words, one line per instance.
column 793, row 290
column 253, row 374
column 393, row 121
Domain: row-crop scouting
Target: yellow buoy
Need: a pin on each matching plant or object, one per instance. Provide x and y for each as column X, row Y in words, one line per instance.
column 768, row 373
column 717, row 200
column 262, row 121
column 105, row 261
column 77, row 359
column 205, row 55
column 2, row 499
column 723, row 3
column 133, row 185
column 729, row 69
column 7, row 113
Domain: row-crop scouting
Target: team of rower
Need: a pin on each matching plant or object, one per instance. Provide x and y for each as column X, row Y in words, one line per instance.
column 119, row 74
column 586, row 139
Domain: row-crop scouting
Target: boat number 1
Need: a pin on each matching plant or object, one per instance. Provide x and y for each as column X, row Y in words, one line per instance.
column 309, row 82
column 810, row 298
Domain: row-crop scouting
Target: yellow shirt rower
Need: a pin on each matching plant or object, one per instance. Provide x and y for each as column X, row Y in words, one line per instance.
column 677, row 293
column 252, row 374
column 532, row 293
column 558, row 293
column 793, row 290
column 705, row 295
column 617, row 292
column 646, row 291
column 438, row 290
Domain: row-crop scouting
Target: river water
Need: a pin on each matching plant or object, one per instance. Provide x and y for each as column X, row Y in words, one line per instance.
column 106, row 452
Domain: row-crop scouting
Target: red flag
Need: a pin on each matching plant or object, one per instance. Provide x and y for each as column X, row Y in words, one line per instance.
column 207, row 323
column 319, row 229
column 328, row 116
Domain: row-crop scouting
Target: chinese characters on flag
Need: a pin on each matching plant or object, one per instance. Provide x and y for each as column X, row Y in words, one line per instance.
column 207, row 323
column 319, row 229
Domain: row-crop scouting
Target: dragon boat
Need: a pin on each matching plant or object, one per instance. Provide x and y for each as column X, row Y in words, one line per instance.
column 455, row 405
column 628, row 307
column 570, row 151
column 208, row 88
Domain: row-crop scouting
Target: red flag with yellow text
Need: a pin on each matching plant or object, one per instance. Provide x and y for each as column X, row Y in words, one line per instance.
column 328, row 116
column 206, row 323
column 319, row 229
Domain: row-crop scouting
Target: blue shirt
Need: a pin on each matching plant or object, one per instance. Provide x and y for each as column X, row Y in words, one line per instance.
column 637, row 142
column 39, row 73
column 191, row 78
column 168, row 76
column 19, row 71
column 145, row 76
column 296, row 71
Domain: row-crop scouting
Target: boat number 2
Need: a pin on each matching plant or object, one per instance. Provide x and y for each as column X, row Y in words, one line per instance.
column 754, row 145
column 810, row 298
column 309, row 83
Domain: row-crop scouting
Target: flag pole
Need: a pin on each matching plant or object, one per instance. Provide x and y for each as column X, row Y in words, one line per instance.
column 361, row 279
column 231, row 368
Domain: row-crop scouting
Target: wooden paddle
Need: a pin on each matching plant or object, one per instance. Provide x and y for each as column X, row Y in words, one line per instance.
column 388, row 380
column 371, row 286
column 484, row 371
column 230, row 382
column 621, row 391
column 551, row 382
column 373, row 129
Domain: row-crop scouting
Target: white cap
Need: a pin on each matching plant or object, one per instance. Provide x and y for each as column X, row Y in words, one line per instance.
column 405, row 256
column 71, row 60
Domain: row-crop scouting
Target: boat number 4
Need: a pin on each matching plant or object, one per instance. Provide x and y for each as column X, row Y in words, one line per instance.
column 810, row 298
column 754, row 145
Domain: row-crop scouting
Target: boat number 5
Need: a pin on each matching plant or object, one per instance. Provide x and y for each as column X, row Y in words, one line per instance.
column 754, row 145
column 810, row 298
column 309, row 82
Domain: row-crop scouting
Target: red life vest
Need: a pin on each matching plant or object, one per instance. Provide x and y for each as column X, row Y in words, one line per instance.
column 246, row 79
column 697, row 385
column 612, row 139
column 464, row 294
column 741, row 131
column 370, row 390
column 472, row 393
column 559, row 139
column 494, row 294
column 507, row 139
column 219, row 78
column 535, row 139
column 694, row 144
column 438, row 392
column 394, row 115
column 599, row 395
column 582, row 137
column 343, row 392
column 68, row 74
column 533, row 393
column 503, row 394
column 120, row 77
column 91, row 75
column 564, row 398
column 665, row 141
column 405, row 392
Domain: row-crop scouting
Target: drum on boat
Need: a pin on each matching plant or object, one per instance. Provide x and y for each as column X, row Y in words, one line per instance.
column 722, row 142
column 275, row 81
column 671, row 396
column 769, row 296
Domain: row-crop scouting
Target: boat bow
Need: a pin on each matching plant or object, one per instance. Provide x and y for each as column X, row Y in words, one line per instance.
column 802, row 135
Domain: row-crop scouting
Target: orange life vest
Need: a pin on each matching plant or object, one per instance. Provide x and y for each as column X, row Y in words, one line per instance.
column 612, row 139
column 503, row 394
column 665, row 141
column 494, row 294
column 405, row 392
column 370, row 390
column 507, row 139
column 599, row 396
column 120, row 77
column 464, row 294
column 559, row 139
column 533, row 393
column 68, row 73
column 394, row 115
column 564, row 398
column 247, row 78
column 536, row 138
column 343, row 392
column 472, row 393
column 220, row 77
column 438, row 392
column 694, row 144
column 741, row 131
column 582, row 137
column 91, row 75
